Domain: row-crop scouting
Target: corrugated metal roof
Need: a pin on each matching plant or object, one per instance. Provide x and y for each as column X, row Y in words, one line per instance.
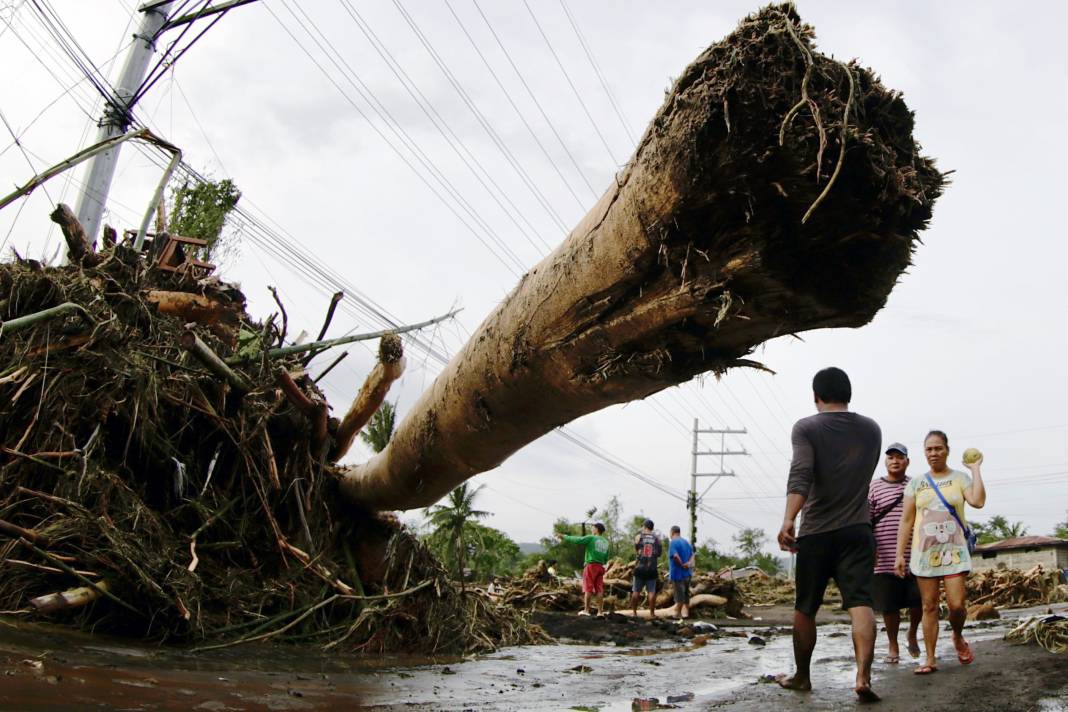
column 1023, row 542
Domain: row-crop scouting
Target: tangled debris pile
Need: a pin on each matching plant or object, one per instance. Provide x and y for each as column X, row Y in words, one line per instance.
column 537, row 590
column 1012, row 588
column 181, row 475
column 1051, row 632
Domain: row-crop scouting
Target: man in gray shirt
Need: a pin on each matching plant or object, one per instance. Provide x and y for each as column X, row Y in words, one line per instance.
column 835, row 454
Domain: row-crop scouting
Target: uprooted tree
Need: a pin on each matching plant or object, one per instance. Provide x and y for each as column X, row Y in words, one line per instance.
column 777, row 190
column 179, row 480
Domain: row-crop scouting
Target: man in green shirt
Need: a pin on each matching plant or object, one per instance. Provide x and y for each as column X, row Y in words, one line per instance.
column 593, row 569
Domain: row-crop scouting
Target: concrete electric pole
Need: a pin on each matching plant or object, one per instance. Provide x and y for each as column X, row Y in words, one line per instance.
column 117, row 119
column 693, row 499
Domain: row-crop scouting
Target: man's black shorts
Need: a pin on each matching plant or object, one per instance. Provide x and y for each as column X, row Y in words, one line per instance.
column 847, row 555
column 891, row 593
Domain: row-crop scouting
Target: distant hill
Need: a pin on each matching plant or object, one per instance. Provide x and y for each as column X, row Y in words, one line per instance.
column 530, row 547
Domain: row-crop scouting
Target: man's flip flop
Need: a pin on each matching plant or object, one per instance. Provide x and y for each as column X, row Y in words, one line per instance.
column 925, row 670
column 966, row 656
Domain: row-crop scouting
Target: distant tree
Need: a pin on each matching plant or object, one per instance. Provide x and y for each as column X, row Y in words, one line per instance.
column 750, row 542
column 618, row 538
column 707, row 558
column 450, row 519
column 488, row 552
column 200, row 210
column 997, row 529
column 569, row 557
column 1061, row 532
column 380, row 429
column 493, row 552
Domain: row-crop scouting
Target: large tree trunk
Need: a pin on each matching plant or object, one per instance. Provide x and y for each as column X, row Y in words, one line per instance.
column 714, row 239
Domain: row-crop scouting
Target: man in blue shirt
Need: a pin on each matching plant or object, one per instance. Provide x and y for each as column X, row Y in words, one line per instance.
column 680, row 569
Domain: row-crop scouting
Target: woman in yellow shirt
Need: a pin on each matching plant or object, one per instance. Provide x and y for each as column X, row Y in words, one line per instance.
column 939, row 542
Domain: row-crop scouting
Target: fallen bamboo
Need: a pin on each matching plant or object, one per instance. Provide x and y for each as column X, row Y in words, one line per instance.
column 389, row 368
column 22, row 322
column 203, row 353
column 702, row 600
column 13, row 530
column 99, row 586
column 70, row 599
column 705, row 246
column 330, row 343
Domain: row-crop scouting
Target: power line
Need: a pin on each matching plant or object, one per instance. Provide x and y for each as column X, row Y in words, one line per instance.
column 534, row 98
column 574, row 89
column 600, row 76
column 443, row 128
column 510, row 267
column 480, row 117
column 519, row 113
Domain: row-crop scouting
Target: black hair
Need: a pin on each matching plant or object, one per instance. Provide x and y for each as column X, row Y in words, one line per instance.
column 599, row 527
column 937, row 434
column 831, row 385
column 675, row 529
column 648, row 524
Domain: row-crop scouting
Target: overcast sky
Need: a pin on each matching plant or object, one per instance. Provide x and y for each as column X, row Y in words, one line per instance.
column 969, row 342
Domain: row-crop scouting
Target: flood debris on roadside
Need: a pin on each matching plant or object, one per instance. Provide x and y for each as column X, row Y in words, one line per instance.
column 1050, row 631
column 1005, row 588
column 167, row 470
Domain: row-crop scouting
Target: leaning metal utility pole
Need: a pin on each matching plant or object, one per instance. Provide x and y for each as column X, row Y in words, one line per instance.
column 692, row 498
column 117, row 119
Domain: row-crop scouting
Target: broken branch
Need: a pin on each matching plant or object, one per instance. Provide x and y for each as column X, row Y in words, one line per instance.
column 389, row 368
column 79, row 248
column 193, row 344
column 13, row 530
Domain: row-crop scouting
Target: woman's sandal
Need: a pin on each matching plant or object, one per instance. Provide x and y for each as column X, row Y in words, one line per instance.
column 925, row 669
column 892, row 659
column 966, row 656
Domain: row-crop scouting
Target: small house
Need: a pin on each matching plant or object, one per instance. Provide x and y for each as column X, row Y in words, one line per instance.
column 1022, row 553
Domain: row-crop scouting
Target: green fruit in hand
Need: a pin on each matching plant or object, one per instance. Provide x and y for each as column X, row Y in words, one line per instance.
column 972, row 455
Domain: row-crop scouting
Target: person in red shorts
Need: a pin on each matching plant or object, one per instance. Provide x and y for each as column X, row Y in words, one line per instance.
column 593, row 570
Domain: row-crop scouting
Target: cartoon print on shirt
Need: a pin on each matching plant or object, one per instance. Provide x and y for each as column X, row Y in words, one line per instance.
column 941, row 531
column 938, row 528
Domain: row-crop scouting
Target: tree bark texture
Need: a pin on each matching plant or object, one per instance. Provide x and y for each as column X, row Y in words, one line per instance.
column 776, row 190
column 389, row 368
column 79, row 249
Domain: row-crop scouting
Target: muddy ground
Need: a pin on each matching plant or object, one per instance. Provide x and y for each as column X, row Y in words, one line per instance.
column 50, row 668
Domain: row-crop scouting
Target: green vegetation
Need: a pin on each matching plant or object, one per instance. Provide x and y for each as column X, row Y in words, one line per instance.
column 461, row 542
column 749, row 542
column 1062, row 529
column 997, row 529
column 380, row 429
column 200, row 210
column 450, row 521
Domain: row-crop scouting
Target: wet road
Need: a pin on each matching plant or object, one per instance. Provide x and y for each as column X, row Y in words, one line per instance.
column 47, row 668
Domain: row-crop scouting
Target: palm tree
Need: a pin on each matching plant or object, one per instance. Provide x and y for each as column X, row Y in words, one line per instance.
column 380, row 429
column 451, row 518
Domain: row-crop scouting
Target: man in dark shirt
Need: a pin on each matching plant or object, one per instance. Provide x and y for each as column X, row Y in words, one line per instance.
column 835, row 454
